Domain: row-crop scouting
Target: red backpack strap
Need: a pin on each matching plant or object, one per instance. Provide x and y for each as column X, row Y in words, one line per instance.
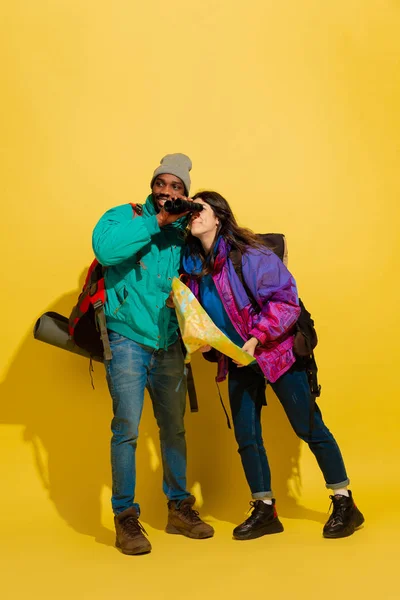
column 90, row 271
column 137, row 208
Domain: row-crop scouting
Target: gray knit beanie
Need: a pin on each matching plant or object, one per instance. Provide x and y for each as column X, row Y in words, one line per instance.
column 175, row 164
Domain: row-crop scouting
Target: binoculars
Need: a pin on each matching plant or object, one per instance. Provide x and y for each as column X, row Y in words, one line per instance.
column 175, row 207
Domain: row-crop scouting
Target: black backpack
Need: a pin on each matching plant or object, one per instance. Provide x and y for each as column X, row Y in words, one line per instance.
column 305, row 336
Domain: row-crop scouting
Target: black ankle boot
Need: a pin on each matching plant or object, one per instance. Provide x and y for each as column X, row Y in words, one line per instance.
column 345, row 517
column 262, row 521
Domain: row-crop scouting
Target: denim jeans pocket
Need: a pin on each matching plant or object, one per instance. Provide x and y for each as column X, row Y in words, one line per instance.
column 116, row 338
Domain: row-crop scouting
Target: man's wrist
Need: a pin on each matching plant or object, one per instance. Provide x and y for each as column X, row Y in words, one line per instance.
column 161, row 219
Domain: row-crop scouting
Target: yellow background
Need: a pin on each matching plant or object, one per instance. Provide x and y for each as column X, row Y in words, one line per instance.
column 291, row 110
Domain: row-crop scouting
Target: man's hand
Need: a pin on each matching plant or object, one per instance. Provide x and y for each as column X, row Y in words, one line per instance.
column 249, row 347
column 165, row 218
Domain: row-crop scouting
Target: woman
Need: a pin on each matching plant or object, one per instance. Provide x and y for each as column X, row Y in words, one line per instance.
column 267, row 335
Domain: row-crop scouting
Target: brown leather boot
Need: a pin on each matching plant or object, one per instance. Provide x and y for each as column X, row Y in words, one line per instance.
column 183, row 519
column 130, row 538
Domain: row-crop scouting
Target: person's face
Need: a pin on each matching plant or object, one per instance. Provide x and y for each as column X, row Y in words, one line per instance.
column 165, row 187
column 204, row 223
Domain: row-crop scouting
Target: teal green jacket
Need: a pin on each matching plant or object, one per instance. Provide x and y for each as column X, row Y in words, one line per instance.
column 141, row 261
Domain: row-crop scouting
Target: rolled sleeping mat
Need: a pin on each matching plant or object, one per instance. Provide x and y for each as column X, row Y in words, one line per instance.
column 52, row 329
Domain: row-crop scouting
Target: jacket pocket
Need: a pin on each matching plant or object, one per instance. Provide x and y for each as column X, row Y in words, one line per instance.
column 122, row 296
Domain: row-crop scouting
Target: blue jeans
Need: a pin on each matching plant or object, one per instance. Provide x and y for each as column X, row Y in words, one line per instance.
column 247, row 395
column 132, row 369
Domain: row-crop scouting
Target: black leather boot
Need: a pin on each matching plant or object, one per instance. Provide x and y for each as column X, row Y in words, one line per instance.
column 345, row 517
column 262, row 521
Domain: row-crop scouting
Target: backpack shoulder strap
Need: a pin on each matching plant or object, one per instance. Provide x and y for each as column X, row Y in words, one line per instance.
column 236, row 258
column 91, row 273
column 137, row 208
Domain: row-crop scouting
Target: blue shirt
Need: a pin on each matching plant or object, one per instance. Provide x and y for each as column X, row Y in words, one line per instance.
column 212, row 304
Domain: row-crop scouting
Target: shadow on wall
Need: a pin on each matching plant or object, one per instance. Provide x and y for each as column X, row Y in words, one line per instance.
column 50, row 394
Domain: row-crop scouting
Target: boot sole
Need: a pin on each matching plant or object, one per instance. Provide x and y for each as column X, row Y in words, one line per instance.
column 174, row 531
column 275, row 527
column 134, row 551
column 347, row 532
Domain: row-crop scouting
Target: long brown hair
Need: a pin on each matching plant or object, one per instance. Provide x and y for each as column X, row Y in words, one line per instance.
column 237, row 237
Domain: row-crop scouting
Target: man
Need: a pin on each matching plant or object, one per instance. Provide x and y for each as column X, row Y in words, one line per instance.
column 142, row 253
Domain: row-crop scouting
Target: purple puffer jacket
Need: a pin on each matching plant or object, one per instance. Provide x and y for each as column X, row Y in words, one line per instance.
column 274, row 289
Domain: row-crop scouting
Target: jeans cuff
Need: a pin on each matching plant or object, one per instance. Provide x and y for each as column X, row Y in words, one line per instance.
column 118, row 511
column 261, row 495
column 180, row 499
column 337, row 486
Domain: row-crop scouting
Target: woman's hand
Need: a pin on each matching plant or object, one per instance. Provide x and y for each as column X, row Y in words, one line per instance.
column 205, row 348
column 249, row 347
column 170, row 300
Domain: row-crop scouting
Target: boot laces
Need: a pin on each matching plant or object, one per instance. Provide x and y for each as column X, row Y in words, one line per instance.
column 133, row 526
column 189, row 512
column 339, row 509
column 253, row 508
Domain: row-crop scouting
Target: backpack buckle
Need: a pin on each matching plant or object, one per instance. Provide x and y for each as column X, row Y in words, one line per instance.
column 97, row 304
